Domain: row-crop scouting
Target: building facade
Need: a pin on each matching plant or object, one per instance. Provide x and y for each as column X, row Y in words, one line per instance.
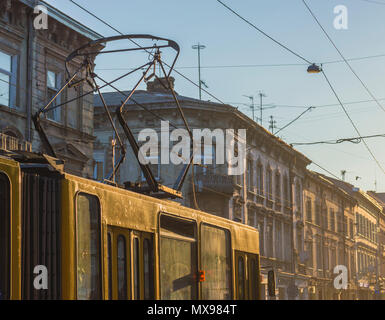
column 32, row 72
column 368, row 213
column 329, row 237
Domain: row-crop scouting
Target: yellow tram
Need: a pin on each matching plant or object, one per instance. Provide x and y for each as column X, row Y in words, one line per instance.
column 99, row 241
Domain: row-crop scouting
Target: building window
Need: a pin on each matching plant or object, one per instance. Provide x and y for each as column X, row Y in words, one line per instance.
column 299, row 241
column 310, row 254
column 260, row 179
column 309, row 214
column 74, row 107
column 8, row 79
column 278, row 238
column 99, row 173
column 298, row 196
column 332, row 220
column 269, row 184
column 278, row 186
column 326, row 258
column 325, row 218
column 319, row 254
column 261, row 236
column 251, row 217
column 250, row 174
column 318, row 214
column 286, row 196
column 333, row 257
column 269, row 239
column 53, row 87
column 351, row 227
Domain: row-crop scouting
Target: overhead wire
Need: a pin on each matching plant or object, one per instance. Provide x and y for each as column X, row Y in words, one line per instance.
column 306, row 60
column 352, row 122
column 261, row 31
column 260, row 65
column 354, row 140
column 343, row 57
column 264, row 33
column 117, row 31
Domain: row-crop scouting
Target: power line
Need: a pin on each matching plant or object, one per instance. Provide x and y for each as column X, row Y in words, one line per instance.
column 260, row 65
column 264, row 33
column 331, row 173
column 277, row 42
column 284, row 127
column 342, row 56
column 116, row 30
column 316, row 106
column 351, row 121
column 355, row 140
column 374, row 2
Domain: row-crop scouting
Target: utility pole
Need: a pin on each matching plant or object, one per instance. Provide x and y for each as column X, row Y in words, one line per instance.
column 199, row 47
column 272, row 125
column 252, row 106
column 261, row 96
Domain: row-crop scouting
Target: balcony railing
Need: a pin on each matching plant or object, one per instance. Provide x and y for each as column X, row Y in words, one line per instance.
column 9, row 143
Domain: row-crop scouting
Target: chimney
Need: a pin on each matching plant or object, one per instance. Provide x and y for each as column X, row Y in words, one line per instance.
column 160, row 85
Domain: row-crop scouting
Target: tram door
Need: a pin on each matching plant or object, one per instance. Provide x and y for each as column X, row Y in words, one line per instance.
column 4, row 237
column 178, row 259
column 246, row 274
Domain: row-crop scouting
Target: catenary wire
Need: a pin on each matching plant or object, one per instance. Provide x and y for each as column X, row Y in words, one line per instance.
column 343, row 57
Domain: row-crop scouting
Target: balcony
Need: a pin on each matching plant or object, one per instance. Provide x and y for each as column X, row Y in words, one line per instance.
column 9, row 143
column 206, row 182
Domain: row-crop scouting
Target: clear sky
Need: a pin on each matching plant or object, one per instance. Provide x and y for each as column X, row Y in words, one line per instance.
column 231, row 44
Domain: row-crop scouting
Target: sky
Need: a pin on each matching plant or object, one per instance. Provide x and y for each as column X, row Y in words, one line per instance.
column 239, row 61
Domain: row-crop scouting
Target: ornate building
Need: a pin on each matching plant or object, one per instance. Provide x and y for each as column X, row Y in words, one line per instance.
column 329, row 237
column 32, row 72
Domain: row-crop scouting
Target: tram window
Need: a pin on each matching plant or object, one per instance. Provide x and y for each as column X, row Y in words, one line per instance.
column 136, row 269
column 253, row 278
column 4, row 237
column 109, row 258
column 148, row 270
column 178, row 259
column 216, row 262
column 122, row 268
column 241, row 278
column 89, row 277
